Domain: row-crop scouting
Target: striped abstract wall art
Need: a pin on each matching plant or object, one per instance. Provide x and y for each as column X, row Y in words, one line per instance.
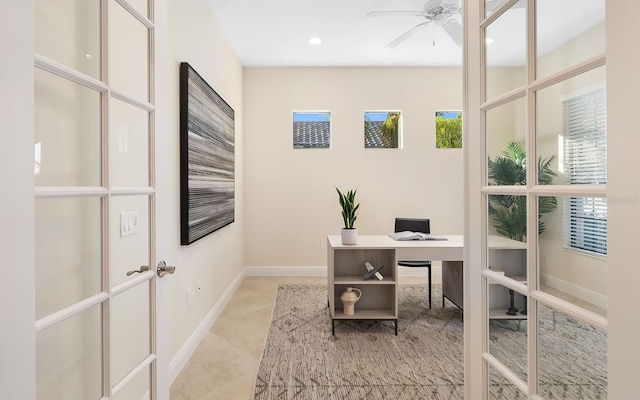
column 207, row 158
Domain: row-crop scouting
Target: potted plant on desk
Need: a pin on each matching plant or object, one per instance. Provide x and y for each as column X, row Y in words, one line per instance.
column 349, row 216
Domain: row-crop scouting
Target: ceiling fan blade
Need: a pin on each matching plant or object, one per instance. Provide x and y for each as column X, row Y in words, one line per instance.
column 454, row 29
column 395, row 14
column 405, row 35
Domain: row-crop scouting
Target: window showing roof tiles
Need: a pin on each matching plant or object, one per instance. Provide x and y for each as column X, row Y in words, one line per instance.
column 311, row 130
column 311, row 134
column 373, row 134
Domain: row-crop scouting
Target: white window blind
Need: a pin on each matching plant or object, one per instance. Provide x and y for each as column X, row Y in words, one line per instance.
column 585, row 163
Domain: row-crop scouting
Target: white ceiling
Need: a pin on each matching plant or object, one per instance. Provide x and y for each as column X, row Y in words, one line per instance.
column 275, row 33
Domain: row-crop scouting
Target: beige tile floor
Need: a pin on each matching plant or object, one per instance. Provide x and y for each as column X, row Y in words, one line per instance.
column 225, row 363
column 223, row 366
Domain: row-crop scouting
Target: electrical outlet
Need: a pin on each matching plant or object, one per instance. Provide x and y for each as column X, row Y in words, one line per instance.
column 320, row 244
column 188, row 297
column 198, row 288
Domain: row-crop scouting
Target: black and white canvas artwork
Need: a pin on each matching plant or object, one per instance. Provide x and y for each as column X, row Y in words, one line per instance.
column 207, row 173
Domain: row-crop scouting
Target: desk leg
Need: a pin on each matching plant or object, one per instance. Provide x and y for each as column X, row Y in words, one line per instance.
column 429, row 271
column 452, row 282
column 512, row 309
column 396, row 327
column 524, row 311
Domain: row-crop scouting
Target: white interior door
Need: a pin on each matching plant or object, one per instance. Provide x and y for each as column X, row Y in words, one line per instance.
column 95, row 202
column 536, row 151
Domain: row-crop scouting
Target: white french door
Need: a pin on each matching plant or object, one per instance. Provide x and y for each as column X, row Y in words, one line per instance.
column 522, row 72
column 97, row 316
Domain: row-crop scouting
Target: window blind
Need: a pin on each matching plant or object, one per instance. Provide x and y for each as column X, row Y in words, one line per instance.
column 585, row 163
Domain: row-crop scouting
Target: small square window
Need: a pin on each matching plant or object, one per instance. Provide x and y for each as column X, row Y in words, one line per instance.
column 448, row 129
column 382, row 129
column 311, row 130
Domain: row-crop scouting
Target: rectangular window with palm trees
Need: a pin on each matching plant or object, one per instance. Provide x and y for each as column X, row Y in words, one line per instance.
column 382, row 129
column 448, row 129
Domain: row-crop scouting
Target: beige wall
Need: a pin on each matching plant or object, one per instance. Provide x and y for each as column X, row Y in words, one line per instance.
column 291, row 202
column 195, row 36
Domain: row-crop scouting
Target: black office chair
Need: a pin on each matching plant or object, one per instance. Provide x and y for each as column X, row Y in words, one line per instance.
column 415, row 225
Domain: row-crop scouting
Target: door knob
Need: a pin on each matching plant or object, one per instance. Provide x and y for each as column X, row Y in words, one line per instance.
column 164, row 269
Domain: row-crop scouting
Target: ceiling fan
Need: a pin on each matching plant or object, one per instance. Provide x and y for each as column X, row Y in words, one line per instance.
column 438, row 12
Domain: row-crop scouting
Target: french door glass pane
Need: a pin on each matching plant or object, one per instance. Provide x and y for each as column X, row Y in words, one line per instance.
column 67, row 132
column 506, row 133
column 130, row 330
column 559, row 47
column 68, row 32
column 573, row 357
column 505, row 44
column 500, row 388
column 136, row 389
column 68, row 252
column 69, row 358
column 507, row 216
column 129, row 236
column 508, row 328
column 140, row 6
column 129, row 56
column 576, row 276
column 128, row 145
column 507, row 256
column 571, row 130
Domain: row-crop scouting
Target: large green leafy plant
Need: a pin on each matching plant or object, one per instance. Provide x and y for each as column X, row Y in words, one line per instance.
column 349, row 207
column 509, row 212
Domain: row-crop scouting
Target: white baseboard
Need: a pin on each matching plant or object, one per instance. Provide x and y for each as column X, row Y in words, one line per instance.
column 574, row 290
column 322, row 271
column 186, row 351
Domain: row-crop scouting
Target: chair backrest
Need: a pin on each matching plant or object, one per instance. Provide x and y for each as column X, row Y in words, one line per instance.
column 412, row 224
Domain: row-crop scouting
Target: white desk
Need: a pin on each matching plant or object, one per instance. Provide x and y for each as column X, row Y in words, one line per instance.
column 379, row 299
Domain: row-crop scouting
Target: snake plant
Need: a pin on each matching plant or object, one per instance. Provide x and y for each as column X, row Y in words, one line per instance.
column 349, row 207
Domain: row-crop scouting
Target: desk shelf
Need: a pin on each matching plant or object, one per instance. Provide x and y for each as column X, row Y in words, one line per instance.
column 375, row 313
column 346, row 268
column 510, row 258
column 359, row 280
column 501, row 313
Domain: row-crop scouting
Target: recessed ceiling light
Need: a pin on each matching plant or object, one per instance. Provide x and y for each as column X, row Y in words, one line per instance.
column 315, row 40
column 488, row 40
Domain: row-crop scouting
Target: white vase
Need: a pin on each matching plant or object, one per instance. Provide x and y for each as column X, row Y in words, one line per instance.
column 349, row 236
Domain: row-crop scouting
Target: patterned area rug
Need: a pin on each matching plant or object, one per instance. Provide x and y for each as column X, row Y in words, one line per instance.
column 365, row 360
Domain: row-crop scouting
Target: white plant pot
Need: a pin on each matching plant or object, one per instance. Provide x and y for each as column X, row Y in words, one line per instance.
column 349, row 236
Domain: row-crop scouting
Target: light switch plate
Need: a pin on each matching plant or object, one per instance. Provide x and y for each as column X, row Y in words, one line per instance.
column 128, row 223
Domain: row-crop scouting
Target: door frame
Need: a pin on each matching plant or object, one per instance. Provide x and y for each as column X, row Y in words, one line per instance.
column 17, row 259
